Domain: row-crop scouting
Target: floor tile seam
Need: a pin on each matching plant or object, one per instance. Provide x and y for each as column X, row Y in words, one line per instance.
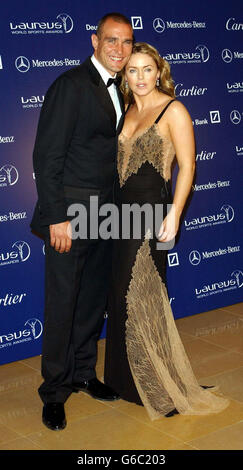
column 236, row 315
column 213, row 375
column 69, row 422
column 228, row 311
column 22, row 433
column 219, row 428
column 150, row 425
column 220, row 373
column 172, row 435
column 234, row 399
column 23, row 373
column 202, row 338
column 21, row 436
column 137, row 419
column 29, row 366
column 93, row 414
column 223, row 395
column 110, row 405
column 218, row 345
column 193, row 447
column 204, row 434
column 214, row 432
column 35, row 443
column 31, row 438
column 181, row 332
column 74, row 420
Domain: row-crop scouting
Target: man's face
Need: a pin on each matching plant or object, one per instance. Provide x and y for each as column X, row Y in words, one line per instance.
column 114, row 47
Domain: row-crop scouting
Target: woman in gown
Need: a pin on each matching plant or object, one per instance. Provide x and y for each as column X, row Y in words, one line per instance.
column 145, row 360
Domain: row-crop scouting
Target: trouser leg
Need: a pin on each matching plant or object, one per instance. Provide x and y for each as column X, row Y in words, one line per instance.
column 62, row 282
column 75, row 301
column 90, row 308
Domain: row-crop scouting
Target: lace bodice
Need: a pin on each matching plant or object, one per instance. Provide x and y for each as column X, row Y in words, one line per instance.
column 151, row 146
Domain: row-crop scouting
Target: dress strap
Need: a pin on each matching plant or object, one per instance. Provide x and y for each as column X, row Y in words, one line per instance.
column 128, row 108
column 163, row 111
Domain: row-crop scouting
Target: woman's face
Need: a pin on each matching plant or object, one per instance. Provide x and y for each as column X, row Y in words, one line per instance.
column 141, row 74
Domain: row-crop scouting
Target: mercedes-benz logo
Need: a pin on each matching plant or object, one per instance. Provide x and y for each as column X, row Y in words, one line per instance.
column 227, row 55
column 235, row 116
column 194, row 257
column 22, row 64
column 159, row 25
column 204, row 52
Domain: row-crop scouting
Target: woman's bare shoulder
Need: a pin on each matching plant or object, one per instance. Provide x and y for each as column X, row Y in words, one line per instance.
column 177, row 112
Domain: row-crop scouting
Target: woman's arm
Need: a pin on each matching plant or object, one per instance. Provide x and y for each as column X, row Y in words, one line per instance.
column 182, row 135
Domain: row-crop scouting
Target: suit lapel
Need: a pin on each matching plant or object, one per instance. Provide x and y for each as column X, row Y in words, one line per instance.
column 101, row 92
column 121, row 100
column 104, row 97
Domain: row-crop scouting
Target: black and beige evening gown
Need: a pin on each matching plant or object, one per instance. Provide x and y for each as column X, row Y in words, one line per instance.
column 145, row 360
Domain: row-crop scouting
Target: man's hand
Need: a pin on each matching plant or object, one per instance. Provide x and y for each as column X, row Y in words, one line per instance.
column 60, row 236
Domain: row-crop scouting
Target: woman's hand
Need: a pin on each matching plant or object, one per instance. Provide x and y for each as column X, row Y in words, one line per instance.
column 169, row 226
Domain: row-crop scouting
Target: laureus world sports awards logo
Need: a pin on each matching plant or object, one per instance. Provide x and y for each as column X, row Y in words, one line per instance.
column 62, row 24
column 8, row 175
column 200, row 54
column 66, row 21
column 18, row 253
column 35, row 327
column 222, row 285
column 30, row 331
column 226, row 214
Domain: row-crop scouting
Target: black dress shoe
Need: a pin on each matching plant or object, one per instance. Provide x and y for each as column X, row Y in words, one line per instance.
column 96, row 389
column 53, row 416
column 172, row 413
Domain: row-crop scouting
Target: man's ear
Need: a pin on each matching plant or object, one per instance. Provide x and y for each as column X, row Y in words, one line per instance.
column 95, row 41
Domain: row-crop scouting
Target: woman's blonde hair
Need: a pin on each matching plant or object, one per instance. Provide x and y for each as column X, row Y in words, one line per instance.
column 166, row 83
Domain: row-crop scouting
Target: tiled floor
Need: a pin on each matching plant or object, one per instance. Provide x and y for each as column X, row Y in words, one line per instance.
column 214, row 343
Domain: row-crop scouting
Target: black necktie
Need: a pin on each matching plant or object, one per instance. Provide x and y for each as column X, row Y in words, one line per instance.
column 116, row 81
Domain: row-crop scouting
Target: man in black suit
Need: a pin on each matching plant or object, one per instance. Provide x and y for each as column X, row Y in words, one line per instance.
column 74, row 159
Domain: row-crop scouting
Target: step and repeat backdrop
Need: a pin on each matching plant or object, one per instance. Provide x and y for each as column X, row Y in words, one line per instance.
column 203, row 43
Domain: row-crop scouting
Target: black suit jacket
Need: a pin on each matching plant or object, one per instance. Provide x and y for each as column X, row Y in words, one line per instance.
column 76, row 142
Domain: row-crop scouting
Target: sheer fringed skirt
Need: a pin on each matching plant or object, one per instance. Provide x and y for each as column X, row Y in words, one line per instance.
column 160, row 368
